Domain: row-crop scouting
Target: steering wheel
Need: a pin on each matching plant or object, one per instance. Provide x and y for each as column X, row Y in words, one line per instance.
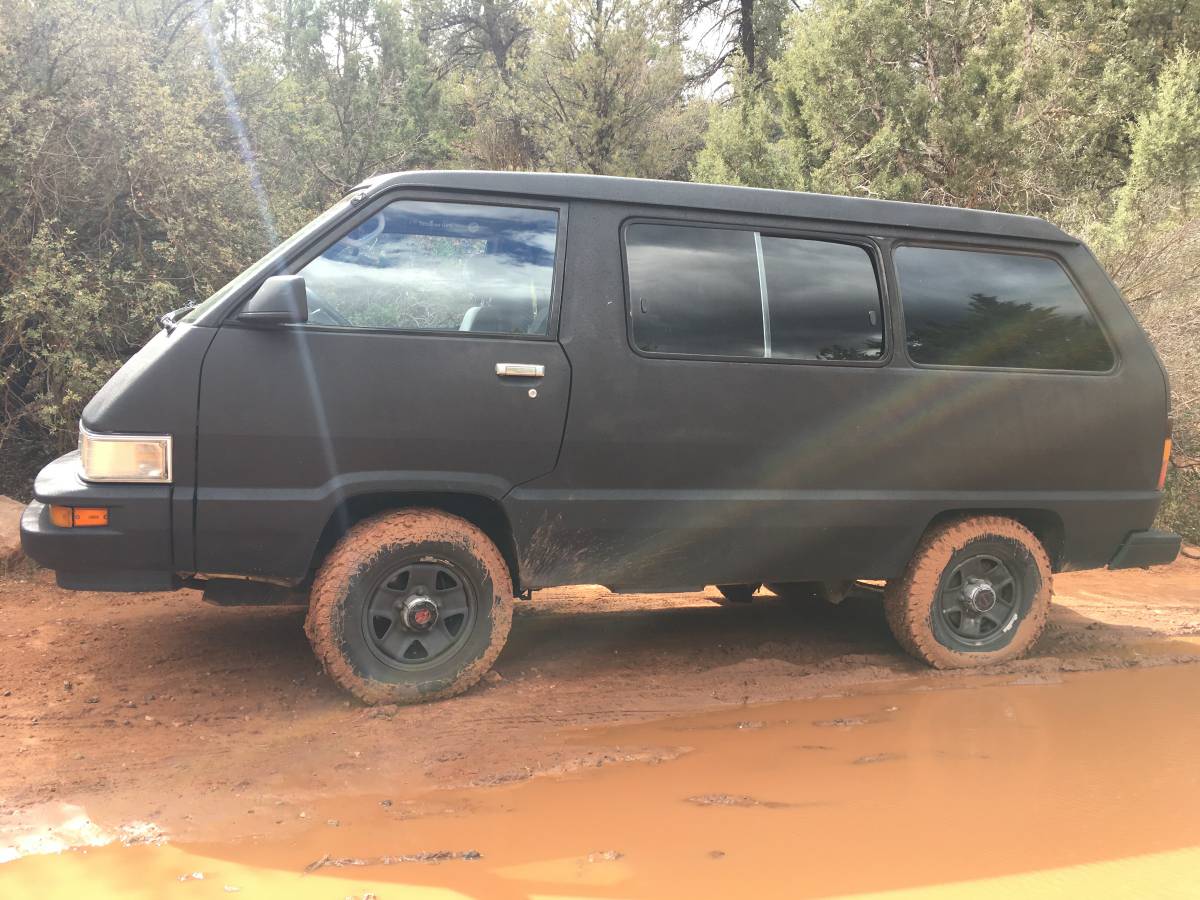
column 323, row 313
column 366, row 232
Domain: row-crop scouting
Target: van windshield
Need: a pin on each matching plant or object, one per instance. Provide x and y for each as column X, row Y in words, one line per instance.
column 270, row 258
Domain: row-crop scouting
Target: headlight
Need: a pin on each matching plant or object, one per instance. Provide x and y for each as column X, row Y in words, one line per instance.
column 125, row 457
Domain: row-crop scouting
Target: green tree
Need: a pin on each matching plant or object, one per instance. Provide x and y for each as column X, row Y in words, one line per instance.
column 874, row 101
column 484, row 35
column 483, row 46
column 333, row 91
column 1165, row 142
column 1151, row 246
column 748, row 31
column 1011, row 105
column 604, row 88
column 746, row 143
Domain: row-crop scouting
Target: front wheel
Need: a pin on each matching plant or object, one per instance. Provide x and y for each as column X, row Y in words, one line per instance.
column 411, row 605
column 977, row 591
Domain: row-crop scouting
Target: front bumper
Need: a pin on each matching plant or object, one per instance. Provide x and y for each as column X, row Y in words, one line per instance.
column 1147, row 548
column 131, row 553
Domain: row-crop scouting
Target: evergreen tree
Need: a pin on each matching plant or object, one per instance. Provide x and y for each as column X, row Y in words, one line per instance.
column 605, row 86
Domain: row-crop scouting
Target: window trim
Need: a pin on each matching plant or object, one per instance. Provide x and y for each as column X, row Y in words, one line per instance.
column 867, row 244
column 763, row 294
column 902, row 322
column 297, row 261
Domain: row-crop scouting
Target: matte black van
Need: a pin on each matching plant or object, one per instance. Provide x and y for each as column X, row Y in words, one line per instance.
column 457, row 387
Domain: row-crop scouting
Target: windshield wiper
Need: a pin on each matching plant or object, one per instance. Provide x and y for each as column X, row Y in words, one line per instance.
column 167, row 320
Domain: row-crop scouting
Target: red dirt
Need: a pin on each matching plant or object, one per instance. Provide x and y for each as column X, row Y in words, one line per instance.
column 218, row 722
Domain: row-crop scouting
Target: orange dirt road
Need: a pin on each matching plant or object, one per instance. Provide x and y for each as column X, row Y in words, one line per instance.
column 154, row 714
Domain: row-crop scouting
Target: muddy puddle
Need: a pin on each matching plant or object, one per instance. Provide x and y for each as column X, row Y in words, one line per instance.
column 1053, row 786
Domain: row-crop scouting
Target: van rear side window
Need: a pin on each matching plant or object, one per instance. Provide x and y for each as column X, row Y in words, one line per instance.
column 1000, row 310
column 694, row 291
column 698, row 291
column 823, row 300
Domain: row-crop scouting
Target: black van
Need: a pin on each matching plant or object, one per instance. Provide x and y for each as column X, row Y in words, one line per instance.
column 456, row 387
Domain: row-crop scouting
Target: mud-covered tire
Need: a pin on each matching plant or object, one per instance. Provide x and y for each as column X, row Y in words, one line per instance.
column 914, row 604
column 735, row 594
column 349, row 579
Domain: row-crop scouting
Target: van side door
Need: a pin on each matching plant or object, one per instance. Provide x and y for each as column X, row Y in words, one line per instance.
column 429, row 364
column 729, row 372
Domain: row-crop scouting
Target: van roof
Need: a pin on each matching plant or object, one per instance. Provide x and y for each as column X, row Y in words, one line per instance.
column 726, row 198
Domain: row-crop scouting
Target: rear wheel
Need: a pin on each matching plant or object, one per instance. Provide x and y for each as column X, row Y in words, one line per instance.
column 977, row 591
column 411, row 605
column 736, row 593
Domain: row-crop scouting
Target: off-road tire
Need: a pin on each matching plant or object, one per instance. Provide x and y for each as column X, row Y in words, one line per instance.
column 909, row 601
column 735, row 594
column 342, row 581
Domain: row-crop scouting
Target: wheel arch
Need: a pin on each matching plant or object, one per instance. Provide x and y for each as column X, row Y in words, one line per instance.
column 1047, row 526
column 484, row 512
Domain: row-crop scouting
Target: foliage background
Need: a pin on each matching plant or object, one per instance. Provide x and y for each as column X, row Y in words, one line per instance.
column 149, row 149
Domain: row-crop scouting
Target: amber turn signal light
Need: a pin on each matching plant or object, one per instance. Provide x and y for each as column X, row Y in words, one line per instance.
column 1166, row 461
column 90, row 517
column 78, row 516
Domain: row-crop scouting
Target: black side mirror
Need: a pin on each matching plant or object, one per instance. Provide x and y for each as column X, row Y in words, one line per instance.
column 281, row 300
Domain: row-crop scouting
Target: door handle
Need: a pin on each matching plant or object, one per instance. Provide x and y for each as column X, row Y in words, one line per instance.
column 520, row 370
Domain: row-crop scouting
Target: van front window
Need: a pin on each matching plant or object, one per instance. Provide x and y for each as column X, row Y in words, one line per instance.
column 425, row 266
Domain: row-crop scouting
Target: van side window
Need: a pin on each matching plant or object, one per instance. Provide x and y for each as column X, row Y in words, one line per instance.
column 700, row 291
column 418, row 265
column 823, row 300
column 694, row 290
column 1005, row 310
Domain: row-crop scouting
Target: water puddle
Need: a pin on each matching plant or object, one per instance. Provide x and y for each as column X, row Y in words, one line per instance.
column 55, row 827
column 1087, row 783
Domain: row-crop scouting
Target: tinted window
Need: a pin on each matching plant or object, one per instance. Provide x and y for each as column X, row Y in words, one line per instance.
column 443, row 266
column 965, row 308
column 823, row 300
column 694, row 290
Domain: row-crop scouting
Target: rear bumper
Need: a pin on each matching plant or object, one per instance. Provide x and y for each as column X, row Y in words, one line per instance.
column 131, row 553
column 1146, row 548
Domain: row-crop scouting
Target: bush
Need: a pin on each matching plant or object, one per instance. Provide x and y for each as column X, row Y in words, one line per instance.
column 122, row 195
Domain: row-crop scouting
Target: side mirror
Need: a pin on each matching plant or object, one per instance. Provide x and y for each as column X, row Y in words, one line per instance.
column 281, row 300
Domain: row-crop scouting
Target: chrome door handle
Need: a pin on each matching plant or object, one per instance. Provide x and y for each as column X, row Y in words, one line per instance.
column 520, row 370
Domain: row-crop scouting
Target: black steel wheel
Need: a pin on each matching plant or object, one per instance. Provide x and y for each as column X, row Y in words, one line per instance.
column 418, row 613
column 979, row 600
